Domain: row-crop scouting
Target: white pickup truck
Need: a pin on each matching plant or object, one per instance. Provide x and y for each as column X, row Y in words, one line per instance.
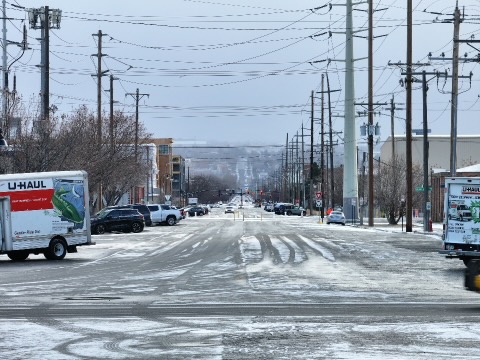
column 164, row 214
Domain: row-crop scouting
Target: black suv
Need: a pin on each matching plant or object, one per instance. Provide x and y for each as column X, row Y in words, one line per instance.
column 282, row 208
column 142, row 209
column 125, row 220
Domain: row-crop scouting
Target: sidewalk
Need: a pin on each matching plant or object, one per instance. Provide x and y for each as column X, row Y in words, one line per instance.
column 417, row 226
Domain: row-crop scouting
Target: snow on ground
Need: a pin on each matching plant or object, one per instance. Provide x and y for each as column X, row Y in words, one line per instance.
column 238, row 338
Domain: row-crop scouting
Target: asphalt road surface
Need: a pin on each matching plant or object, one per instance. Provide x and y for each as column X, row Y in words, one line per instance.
column 249, row 285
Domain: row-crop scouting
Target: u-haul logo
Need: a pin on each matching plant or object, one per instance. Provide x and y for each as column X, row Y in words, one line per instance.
column 469, row 189
column 26, row 185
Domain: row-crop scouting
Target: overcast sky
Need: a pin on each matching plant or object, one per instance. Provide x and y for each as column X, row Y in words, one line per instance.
column 243, row 70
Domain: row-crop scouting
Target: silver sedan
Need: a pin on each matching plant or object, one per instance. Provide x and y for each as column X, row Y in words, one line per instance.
column 336, row 217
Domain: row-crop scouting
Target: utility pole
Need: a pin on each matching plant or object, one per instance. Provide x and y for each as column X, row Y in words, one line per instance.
column 310, row 198
column 303, row 170
column 408, row 152
column 455, row 77
column 322, row 163
column 426, row 216
column 370, row 113
column 332, row 184
column 371, row 131
column 350, row 177
column 297, row 174
column 424, row 74
column 5, row 124
column 286, row 189
column 137, row 96
column 99, row 75
column 4, row 67
column 111, row 114
column 45, row 19
column 453, row 130
column 46, row 66
column 393, row 107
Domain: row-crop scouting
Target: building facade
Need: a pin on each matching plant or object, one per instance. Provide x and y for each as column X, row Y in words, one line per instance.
column 468, row 150
column 170, row 179
column 178, row 180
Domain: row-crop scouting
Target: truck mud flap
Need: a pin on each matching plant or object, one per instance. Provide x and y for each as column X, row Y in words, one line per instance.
column 472, row 276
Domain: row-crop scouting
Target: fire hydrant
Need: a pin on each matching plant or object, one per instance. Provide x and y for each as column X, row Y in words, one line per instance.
column 430, row 225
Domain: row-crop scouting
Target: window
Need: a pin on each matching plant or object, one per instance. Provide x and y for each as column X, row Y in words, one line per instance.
column 163, row 149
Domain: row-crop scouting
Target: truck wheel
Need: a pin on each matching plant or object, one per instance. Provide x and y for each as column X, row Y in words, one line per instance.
column 171, row 220
column 100, row 229
column 56, row 250
column 471, row 272
column 137, row 227
column 18, row 255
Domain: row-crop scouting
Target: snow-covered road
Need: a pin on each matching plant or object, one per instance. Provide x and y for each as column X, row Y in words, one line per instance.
column 213, row 287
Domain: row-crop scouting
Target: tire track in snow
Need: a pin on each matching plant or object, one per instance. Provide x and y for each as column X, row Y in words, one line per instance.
column 282, row 248
column 299, row 255
column 315, row 246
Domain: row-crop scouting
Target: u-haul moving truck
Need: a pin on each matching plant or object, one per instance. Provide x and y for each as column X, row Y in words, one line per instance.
column 461, row 218
column 44, row 213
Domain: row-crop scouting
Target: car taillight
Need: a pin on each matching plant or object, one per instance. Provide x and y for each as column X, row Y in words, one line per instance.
column 141, row 216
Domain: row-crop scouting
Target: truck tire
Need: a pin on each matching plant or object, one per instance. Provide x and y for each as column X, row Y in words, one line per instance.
column 100, row 229
column 18, row 255
column 137, row 227
column 57, row 249
column 171, row 220
column 471, row 272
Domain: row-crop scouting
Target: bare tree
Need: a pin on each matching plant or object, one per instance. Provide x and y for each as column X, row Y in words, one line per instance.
column 71, row 143
column 390, row 187
column 207, row 188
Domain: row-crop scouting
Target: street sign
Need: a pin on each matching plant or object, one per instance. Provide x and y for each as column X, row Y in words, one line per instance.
column 318, row 194
column 429, row 206
column 167, row 197
column 319, row 203
column 420, row 189
column 354, row 202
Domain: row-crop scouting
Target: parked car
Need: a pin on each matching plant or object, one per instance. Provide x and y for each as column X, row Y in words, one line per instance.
column 297, row 210
column 164, row 214
column 142, row 209
column 282, row 208
column 196, row 211
column 117, row 219
column 145, row 211
column 268, row 207
column 336, row 217
column 229, row 209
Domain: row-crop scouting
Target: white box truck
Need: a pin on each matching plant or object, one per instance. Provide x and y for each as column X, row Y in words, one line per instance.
column 461, row 218
column 44, row 213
